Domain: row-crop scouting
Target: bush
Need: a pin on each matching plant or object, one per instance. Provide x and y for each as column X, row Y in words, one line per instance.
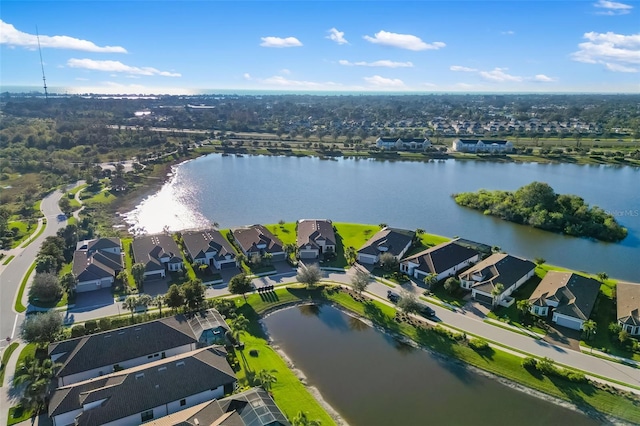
column 478, row 345
column 91, row 326
column 78, row 330
column 104, row 324
column 530, row 363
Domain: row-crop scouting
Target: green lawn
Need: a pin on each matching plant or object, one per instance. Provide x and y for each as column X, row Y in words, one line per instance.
column 512, row 315
column 8, row 259
column 18, row 415
column 128, row 261
column 28, row 350
column 286, row 232
column 426, row 241
column 77, row 189
column 22, row 231
column 5, row 358
column 19, row 307
column 354, row 234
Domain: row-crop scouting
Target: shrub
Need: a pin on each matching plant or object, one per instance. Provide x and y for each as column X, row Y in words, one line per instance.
column 530, row 363
column 253, row 352
column 78, row 330
column 478, row 344
column 91, row 326
column 105, row 324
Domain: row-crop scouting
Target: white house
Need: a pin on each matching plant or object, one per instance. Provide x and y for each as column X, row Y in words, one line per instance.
column 482, row 278
column 443, row 260
column 158, row 253
column 315, row 237
column 628, row 307
column 479, row 145
column 96, row 263
column 209, row 247
column 407, row 144
column 388, row 240
column 143, row 393
column 567, row 296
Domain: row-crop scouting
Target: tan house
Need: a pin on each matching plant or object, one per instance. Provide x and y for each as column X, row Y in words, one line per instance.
column 569, row 297
column 443, row 260
column 628, row 306
column 258, row 240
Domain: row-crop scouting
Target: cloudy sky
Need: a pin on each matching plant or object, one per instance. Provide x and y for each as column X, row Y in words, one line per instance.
column 431, row 46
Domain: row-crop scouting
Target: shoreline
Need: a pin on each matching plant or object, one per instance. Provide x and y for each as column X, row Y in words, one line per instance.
column 590, row 413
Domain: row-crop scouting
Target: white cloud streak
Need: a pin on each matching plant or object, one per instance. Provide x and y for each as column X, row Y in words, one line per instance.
column 11, row 36
column 382, row 82
column 617, row 52
column 337, row 36
column 612, row 8
column 280, row 42
column 117, row 67
column 541, row 78
column 381, row 63
column 403, row 41
column 499, row 74
column 280, row 81
column 459, row 68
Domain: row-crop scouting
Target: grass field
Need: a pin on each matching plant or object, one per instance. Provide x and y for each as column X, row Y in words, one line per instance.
column 19, row 307
column 5, row 358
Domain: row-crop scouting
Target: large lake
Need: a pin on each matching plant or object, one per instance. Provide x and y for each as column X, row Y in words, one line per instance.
column 371, row 379
column 235, row 191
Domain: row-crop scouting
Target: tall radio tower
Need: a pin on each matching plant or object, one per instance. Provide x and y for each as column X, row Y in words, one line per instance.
column 44, row 80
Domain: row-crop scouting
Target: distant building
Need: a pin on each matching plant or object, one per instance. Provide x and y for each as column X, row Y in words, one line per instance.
column 403, row 144
column 479, row 145
column 628, row 306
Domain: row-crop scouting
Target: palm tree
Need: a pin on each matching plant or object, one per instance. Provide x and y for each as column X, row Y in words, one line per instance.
column 130, row 303
column 301, row 420
column 496, row 292
column 290, row 249
column 265, row 379
column 430, row 280
column 36, row 376
column 589, row 328
column 158, row 301
column 523, row 306
column 239, row 325
column 350, row 255
column 602, row 276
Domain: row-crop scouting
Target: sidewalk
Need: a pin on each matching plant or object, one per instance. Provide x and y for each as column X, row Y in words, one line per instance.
column 6, row 399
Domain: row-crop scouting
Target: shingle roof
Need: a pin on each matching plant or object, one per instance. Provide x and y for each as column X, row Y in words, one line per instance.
column 103, row 243
column 197, row 243
column 389, row 240
column 251, row 237
column 141, row 388
column 311, row 230
column 442, row 257
column 149, row 249
column 95, row 350
column 253, row 407
column 576, row 295
column 498, row 268
column 628, row 303
column 91, row 262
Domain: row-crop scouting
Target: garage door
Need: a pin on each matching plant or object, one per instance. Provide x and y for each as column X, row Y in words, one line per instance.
column 154, row 276
column 88, row 286
column 367, row 259
column 567, row 322
column 308, row 254
column 227, row 265
column 483, row 298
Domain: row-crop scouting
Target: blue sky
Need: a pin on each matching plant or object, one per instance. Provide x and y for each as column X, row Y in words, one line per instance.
column 183, row 47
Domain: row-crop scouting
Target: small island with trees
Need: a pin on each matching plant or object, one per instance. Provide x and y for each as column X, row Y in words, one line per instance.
column 537, row 205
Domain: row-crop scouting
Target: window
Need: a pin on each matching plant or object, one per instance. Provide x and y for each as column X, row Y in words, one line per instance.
column 145, row 416
column 183, row 402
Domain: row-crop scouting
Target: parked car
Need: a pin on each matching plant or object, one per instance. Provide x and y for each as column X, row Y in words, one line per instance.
column 427, row 311
column 393, row 297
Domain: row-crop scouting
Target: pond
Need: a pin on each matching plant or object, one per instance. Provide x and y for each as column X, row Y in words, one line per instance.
column 371, row 379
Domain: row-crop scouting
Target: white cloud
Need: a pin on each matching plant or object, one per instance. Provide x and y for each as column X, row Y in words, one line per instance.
column 117, row 67
column 508, row 32
column 280, row 81
column 461, row 68
column 280, row 42
column 382, row 82
column 382, row 63
column 613, row 8
column 403, row 41
column 246, row 76
column 337, row 36
column 543, row 78
column 110, row 88
column 285, row 71
column 617, row 52
column 12, row 37
column 499, row 74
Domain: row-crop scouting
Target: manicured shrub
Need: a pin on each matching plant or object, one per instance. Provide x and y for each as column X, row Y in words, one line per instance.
column 78, row 330
column 91, row 326
column 104, row 324
column 478, row 345
column 530, row 363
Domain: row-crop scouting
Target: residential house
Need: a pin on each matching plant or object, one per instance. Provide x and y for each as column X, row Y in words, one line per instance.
column 406, row 144
column 569, row 297
column 146, row 392
column 118, row 184
column 315, row 237
column 102, row 353
column 482, row 278
column 479, row 145
column 209, row 247
column 253, row 407
column 443, row 260
column 258, row 240
column 96, row 263
column 387, row 240
column 628, row 307
column 158, row 253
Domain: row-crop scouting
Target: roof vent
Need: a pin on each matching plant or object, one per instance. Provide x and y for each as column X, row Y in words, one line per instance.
column 162, row 368
column 179, row 363
column 139, row 375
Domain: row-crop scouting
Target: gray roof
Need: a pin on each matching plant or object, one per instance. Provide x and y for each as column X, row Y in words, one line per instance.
column 92, row 262
column 253, row 407
column 149, row 249
column 311, row 230
column 498, row 268
column 251, row 237
column 628, row 303
column 576, row 295
column 484, row 141
column 442, row 257
column 95, row 350
column 197, row 243
column 389, row 240
column 138, row 389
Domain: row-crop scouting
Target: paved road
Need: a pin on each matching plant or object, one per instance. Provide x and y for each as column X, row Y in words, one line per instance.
column 11, row 276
